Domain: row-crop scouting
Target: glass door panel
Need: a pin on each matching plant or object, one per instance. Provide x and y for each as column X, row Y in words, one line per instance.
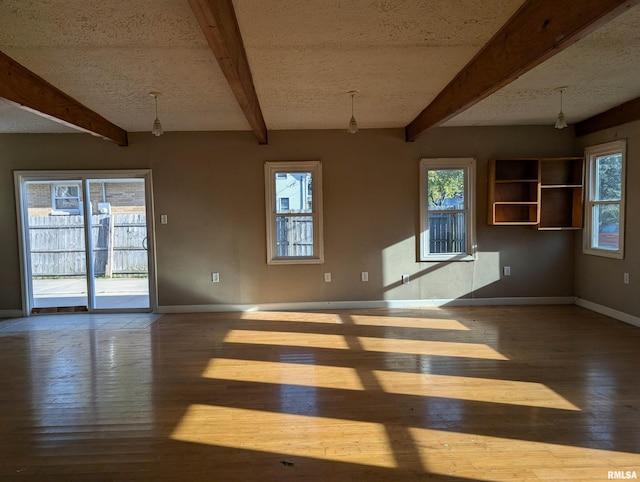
column 118, row 234
column 56, row 245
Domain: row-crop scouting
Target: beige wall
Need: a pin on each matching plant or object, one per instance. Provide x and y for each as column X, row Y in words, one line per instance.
column 211, row 186
column 600, row 280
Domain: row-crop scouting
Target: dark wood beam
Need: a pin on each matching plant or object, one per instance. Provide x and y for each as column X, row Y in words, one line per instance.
column 537, row 31
column 218, row 22
column 627, row 112
column 28, row 91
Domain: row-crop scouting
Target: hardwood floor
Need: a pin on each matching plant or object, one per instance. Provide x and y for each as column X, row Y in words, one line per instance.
column 451, row 394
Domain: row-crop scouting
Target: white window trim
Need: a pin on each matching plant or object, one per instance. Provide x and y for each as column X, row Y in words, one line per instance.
column 54, row 209
column 270, row 170
column 591, row 153
column 468, row 164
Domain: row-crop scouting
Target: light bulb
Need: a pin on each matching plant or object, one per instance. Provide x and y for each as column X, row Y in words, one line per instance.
column 561, row 122
column 157, row 128
column 353, row 126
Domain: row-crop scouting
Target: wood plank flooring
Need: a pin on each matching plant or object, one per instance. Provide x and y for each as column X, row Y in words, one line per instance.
column 453, row 394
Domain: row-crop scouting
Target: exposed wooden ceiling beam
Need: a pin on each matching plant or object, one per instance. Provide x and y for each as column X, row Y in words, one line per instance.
column 28, row 91
column 627, row 112
column 218, row 22
column 537, row 31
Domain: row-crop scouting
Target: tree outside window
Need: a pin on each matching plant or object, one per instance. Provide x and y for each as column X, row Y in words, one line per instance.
column 447, row 219
column 604, row 216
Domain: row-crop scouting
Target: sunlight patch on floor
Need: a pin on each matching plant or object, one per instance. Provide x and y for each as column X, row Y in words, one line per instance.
column 385, row 345
column 289, row 316
column 319, row 376
column 487, row 390
column 287, row 435
column 473, row 389
column 408, row 322
column 485, row 457
column 427, row 347
column 287, row 338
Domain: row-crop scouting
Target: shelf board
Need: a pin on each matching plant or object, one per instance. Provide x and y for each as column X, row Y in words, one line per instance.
column 513, row 181
column 516, row 203
column 560, row 186
column 558, row 228
column 515, row 223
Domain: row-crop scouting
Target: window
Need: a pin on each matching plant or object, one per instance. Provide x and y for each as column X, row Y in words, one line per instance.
column 293, row 193
column 447, row 217
column 604, row 206
column 65, row 198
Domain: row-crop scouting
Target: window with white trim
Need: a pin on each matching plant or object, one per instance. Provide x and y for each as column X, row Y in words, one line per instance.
column 447, row 211
column 65, row 198
column 293, row 192
column 604, row 204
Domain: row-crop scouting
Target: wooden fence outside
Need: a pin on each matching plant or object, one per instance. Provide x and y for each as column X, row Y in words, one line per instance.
column 294, row 236
column 57, row 245
column 447, row 233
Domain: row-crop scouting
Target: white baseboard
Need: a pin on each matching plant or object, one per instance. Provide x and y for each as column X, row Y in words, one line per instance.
column 11, row 313
column 354, row 305
column 610, row 312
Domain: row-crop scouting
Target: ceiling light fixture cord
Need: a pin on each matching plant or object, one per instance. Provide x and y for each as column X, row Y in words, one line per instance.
column 353, row 125
column 157, row 126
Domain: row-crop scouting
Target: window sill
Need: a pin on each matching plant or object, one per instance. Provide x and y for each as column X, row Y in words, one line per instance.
column 292, row 260
column 604, row 253
column 448, row 257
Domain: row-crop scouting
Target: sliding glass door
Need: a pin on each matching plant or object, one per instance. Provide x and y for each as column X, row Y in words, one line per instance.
column 86, row 241
column 55, row 241
column 118, row 232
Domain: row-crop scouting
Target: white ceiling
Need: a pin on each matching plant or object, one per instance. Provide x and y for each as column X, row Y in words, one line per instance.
column 304, row 56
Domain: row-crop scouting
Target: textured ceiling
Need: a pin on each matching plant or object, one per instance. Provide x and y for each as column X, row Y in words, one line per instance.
column 304, row 57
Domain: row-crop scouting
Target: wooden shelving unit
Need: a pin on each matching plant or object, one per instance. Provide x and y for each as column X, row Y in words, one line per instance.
column 541, row 192
column 561, row 181
column 514, row 191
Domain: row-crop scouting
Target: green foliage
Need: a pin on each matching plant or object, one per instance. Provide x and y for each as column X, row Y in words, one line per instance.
column 609, row 177
column 609, row 187
column 444, row 184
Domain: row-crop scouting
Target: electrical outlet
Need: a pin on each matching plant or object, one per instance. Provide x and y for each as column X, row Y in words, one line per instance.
column 405, row 279
column 327, row 277
column 625, row 278
column 215, row 277
column 163, row 219
column 506, row 270
column 364, row 276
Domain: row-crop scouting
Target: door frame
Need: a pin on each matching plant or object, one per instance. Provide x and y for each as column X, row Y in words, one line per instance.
column 20, row 180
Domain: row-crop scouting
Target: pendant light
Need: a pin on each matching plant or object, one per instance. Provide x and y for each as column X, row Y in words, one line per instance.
column 561, row 122
column 157, row 127
column 353, row 125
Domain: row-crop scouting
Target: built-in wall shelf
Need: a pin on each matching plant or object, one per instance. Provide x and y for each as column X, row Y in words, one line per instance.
column 541, row 192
